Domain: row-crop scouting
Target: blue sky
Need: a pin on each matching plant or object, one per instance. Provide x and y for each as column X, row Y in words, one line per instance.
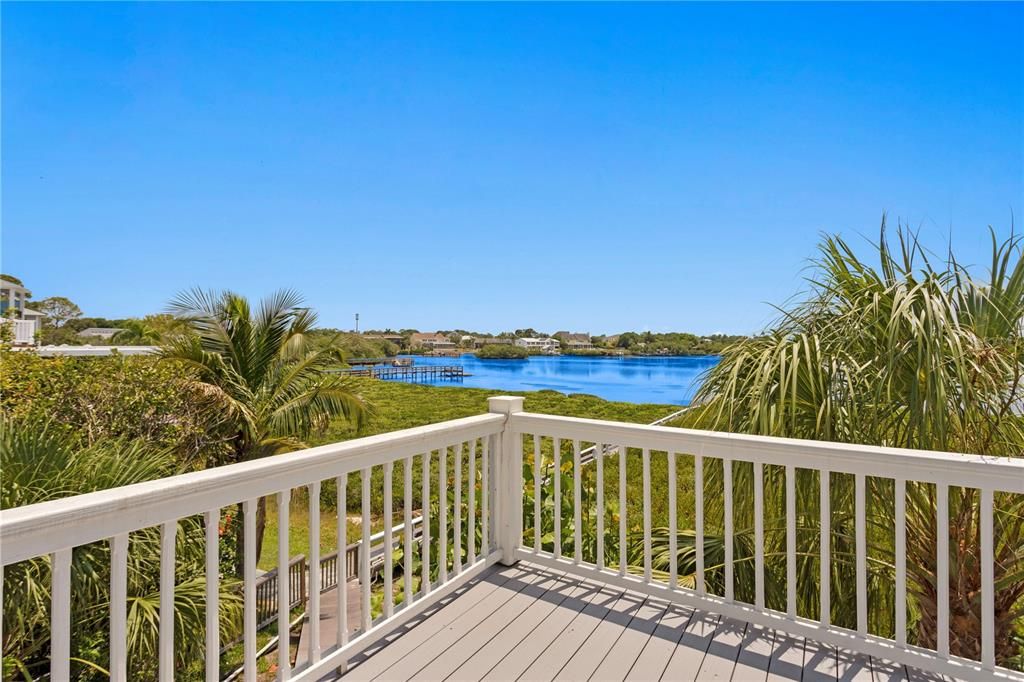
column 589, row 167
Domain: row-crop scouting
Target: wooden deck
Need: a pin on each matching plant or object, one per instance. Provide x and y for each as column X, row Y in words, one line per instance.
column 530, row 623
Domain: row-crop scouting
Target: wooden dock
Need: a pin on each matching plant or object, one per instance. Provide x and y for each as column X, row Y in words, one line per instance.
column 411, row 373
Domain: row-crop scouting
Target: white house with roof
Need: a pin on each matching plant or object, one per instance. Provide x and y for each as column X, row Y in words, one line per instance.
column 13, row 307
column 548, row 346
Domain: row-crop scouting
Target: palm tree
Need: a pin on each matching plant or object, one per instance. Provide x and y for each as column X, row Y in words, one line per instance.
column 906, row 354
column 42, row 462
column 270, row 378
column 137, row 333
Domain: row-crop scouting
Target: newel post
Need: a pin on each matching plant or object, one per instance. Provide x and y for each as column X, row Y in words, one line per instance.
column 509, row 480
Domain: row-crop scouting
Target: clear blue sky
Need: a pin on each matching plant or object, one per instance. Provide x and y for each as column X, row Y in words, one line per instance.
column 587, row 167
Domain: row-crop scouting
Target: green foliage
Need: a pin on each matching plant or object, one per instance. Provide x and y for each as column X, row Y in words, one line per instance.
column 58, row 309
column 908, row 353
column 12, row 279
column 498, row 351
column 40, row 463
column 262, row 367
column 126, row 397
column 137, row 333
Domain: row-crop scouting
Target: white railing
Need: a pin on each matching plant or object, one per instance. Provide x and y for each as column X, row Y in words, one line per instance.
column 52, row 530
column 686, row 457
column 24, row 331
column 487, row 514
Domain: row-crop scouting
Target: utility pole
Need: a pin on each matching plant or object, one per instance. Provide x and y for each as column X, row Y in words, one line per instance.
column 357, row 323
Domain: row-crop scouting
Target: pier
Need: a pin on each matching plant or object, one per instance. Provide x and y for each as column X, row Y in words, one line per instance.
column 411, row 373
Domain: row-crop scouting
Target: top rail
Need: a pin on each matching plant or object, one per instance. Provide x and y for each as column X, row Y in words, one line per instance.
column 994, row 473
column 34, row 530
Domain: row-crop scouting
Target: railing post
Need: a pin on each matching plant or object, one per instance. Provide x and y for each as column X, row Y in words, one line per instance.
column 509, row 477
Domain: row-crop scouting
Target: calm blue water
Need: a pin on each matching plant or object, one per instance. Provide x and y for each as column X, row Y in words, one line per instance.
column 666, row 380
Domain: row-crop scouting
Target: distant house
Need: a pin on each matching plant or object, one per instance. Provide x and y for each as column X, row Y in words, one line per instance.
column 575, row 341
column 547, row 346
column 26, row 322
column 435, row 341
column 481, row 341
column 102, row 333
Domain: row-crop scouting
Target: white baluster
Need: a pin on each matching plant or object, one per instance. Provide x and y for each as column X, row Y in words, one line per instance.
column 622, row 510
column 536, row 493
column 825, row 558
column 861, row 549
column 698, row 514
column 556, row 473
column 471, row 535
column 485, row 497
column 901, row 561
column 988, row 610
column 118, row 607
column 425, row 528
column 314, row 571
column 283, row 579
column 942, row 569
column 249, row 589
column 599, row 453
column 168, row 533
column 673, row 523
column 341, row 636
column 212, row 522
column 577, row 505
column 791, row 541
column 389, row 522
column 365, row 579
column 646, row 461
column 442, row 515
column 727, row 500
column 759, row 535
column 60, row 615
column 457, row 508
column 407, row 516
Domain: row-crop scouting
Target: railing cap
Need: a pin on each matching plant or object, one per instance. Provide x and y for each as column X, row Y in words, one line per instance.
column 505, row 404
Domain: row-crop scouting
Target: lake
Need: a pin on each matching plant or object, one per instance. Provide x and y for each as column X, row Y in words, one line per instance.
column 666, row 380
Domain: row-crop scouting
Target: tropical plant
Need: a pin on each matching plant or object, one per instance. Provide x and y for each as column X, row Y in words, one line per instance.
column 914, row 352
column 259, row 363
column 137, row 333
column 43, row 462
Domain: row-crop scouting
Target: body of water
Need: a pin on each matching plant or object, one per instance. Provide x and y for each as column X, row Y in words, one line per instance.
column 666, row 380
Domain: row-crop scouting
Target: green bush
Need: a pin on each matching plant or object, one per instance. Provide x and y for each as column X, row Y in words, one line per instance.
column 502, row 352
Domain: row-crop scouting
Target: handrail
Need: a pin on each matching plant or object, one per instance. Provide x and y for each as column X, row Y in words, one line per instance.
column 38, row 529
column 1000, row 473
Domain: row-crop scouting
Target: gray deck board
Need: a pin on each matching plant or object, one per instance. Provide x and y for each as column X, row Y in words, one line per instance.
column 532, row 623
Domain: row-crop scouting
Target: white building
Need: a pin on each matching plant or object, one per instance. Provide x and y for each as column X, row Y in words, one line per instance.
column 26, row 322
column 547, row 346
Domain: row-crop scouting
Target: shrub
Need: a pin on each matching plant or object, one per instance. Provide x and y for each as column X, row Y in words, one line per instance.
column 502, row 352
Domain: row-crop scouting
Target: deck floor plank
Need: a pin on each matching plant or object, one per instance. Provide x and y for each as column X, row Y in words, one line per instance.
column 620, row 657
column 447, row 661
column 532, row 623
column 720, row 659
column 398, row 644
column 693, row 645
column 654, row 658
column 592, row 651
column 550, row 661
column 516, row 661
column 424, row 654
column 755, row 655
column 517, row 631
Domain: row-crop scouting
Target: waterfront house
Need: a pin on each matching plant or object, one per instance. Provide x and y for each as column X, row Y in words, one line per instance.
column 436, row 341
column 547, row 346
column 481, row 341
